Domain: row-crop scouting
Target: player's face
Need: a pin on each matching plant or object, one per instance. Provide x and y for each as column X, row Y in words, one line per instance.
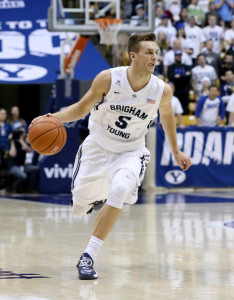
column 146, row 58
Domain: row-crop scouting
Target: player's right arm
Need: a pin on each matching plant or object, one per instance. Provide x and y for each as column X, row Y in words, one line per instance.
column 100, row 86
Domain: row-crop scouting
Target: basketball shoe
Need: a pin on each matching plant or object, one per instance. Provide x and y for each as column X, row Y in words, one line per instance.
column 85, row 268
column 96, row 205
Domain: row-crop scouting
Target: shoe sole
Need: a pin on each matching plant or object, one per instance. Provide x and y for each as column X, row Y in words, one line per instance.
column 82, row 277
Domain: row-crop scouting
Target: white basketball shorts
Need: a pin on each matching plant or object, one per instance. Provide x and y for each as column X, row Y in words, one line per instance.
column 94, row 168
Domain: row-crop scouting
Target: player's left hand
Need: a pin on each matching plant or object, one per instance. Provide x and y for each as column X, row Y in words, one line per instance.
column 183, row 160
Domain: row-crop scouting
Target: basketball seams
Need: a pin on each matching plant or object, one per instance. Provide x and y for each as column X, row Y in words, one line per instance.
column 52, row 142
column 42, row 122
column 63, row 140
column 44, row 133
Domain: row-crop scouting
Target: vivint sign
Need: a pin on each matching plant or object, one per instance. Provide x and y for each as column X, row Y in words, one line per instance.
column 56, row 171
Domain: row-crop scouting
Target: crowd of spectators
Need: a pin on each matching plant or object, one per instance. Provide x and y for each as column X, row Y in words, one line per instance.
column 17, row 173
column 196, row 41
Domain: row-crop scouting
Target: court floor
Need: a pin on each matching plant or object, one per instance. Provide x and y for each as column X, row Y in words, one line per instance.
column 172, row 246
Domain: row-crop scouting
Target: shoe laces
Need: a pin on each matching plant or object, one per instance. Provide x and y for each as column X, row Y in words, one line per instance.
column 85, row 262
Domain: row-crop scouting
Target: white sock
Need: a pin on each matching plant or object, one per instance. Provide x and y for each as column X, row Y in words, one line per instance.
column 94, row 246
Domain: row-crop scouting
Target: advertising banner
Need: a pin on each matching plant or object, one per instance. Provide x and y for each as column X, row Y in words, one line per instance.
column 29, row 53
column 211, row 150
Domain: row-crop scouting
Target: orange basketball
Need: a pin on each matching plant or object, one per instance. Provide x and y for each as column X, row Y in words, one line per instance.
column 47, row 135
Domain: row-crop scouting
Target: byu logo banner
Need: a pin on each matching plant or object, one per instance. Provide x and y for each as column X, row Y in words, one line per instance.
column 211, row 151
column 29, row 53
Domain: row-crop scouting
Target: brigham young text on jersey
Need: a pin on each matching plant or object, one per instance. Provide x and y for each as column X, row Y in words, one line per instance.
column 119, row 122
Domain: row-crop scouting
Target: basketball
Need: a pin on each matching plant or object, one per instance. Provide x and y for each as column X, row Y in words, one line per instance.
column 47, row 135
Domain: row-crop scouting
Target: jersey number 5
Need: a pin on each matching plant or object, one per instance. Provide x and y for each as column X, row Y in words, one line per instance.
column 121, row 123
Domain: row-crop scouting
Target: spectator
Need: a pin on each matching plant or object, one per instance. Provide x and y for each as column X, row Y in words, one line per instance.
column 158, row 15
column 212, row 58
column 16, row 120
column 205, row 86
column 226, row 87
column 230, row 109
column 215, row 33
column 181, row 36
column 127, row 9
column 180, row 75
column 210, row 110
column 141, row 17
column 224, row 8
column 169, row 30
column 175, row 8
column 197, row 12
column 184, row 16
column 5, row 130
column 229, row 34
column 120, row 55
column 204, row 5
column 163, row 46
column 200, row 71
column 230, row 48
column 16, row 162
column 227, row 64
column 195, row 37
column 177, row 107
column 169, row 57
column 212, row 10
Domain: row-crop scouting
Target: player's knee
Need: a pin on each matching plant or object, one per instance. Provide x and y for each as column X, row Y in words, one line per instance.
column 123, row 184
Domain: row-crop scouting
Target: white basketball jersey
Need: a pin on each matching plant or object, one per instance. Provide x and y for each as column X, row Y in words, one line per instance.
column 120, row 120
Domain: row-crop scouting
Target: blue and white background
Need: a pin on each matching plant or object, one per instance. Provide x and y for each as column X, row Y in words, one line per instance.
column 211, row 151
column 29, row 53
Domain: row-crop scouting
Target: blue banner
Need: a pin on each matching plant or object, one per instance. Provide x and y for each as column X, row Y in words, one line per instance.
column 29, row 53
column 56, row 170
column 211, row 151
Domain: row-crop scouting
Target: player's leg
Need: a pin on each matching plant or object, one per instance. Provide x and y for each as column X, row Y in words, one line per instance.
column 122, row 186
column 89, row 186
column 127, row 171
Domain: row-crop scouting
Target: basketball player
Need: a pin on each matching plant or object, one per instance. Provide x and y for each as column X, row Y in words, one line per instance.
column 111, row 162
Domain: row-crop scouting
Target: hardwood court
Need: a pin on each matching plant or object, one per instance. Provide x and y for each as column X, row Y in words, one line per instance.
column 177, row 250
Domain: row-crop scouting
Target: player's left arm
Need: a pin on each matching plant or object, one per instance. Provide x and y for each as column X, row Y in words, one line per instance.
column 169, row 127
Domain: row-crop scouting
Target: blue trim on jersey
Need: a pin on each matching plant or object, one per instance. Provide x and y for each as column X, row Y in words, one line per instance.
column 200, row 104
column 221, row 109
column 77, row 167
